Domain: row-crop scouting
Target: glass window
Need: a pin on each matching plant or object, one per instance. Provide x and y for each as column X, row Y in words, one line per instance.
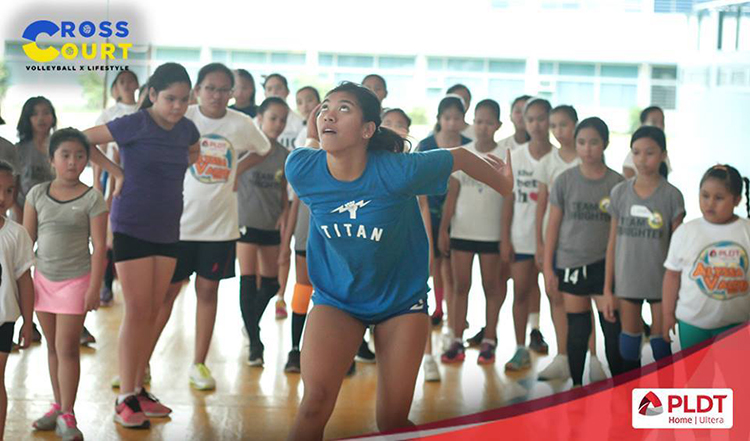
column 466, row 64
column 619, row 71
column 249, row 57
column 325, row 59
column 355, row 61
column 219, row 56
column 507, row 66
column 346, row 76
column 179, row 55
column 396, row 62
column 505, row 91
column 546, row 68
column 577, row 69
column 579, row 93
column 664, row 72
column 287, row 58
column 664, row 96
column 618, row 95
column 435, row 63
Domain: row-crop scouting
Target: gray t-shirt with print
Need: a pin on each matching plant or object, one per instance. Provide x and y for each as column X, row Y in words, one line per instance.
column 584, row 230
column 643, row 232
column 302, row 229
column 34, row 167
column 63, row 232
column 259, row 192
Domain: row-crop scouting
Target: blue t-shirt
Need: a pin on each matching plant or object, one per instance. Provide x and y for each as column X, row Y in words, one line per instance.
column 436, row 201
column 154, row 162
column 367, row 248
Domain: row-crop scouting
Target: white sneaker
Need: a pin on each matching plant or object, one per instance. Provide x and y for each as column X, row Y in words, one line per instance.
column 447, row 338
column 596, row 371
column 200, row 377
column 559, row 369
column 431, row 372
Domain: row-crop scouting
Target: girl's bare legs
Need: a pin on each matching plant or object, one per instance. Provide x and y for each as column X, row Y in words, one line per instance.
column 48, row 321
column 494, row 292
column 332, row 337
column 67, row 346
column 461, row 263
column 3, row 394
column 397, row 342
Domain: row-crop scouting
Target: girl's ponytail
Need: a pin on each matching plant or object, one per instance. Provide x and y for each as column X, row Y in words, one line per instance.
column 388, row 140
column 163, row 77
column 747, row 195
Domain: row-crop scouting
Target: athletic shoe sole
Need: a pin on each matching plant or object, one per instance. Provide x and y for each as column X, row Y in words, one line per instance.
column 145, row 425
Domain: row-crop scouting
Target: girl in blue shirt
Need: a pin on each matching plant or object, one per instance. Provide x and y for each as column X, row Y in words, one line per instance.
column 368, row 251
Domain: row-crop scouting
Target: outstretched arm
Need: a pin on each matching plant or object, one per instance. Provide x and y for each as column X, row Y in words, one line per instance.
column 490, row 170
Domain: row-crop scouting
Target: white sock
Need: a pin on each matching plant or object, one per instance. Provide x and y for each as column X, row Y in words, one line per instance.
column 490, row 341
column 427, row 357
column 520, row 347
column 534, row 320
column 122, row 397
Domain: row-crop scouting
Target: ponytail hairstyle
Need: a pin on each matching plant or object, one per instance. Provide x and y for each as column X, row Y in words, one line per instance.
column 451, row 101
column 25, row 130
column 65, row 135
column 490, row 104
column 538, row 102
column 268, row 102
column 214, row 67
column 244, row 74
column 597, row 124
column 383, row 138
column 732, row 179
column 400, row 112
column 569, row 111
column 657, row 135
column 163, row 77
column 117, row 77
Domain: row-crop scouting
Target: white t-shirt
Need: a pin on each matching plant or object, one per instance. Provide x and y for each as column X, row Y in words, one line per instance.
column 210, row 210
column 628, row 162
column 112, row 113
column 301, row 137
column 549, row 168
column 478, row 214
column 510, row 143
column 526, row 189
column 16, row 257
column 715, row 281
column 294, row 124
column 469, row 132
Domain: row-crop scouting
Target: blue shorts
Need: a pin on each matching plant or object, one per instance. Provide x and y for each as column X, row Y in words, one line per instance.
column 420, row 307
column 522, row 257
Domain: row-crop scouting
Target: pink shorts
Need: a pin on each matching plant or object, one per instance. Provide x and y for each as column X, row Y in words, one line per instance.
column 64, row 297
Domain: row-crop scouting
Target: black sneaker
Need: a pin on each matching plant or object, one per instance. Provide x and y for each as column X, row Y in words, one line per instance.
column 352, row 369
column 476, row 340
column 537, row 343
column 256, row 356
column 86, row 337
column 292, row 363
column 364, row 354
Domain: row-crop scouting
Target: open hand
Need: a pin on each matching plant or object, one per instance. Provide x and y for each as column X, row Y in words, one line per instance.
column 504, row 169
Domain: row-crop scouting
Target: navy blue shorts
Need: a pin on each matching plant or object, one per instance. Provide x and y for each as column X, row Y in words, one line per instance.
column 522, row 257
column 420, row 307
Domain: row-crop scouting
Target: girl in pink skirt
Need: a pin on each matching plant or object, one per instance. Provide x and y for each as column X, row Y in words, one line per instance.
column 61, row 216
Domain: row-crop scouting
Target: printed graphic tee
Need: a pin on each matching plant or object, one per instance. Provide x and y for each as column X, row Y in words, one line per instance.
column 714, row 281
column 210, row 213
column 16, row 257
column 367, row 253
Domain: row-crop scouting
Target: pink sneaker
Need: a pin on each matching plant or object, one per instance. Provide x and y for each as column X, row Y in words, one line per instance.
column 49, row 420
column 151, row 405
column 67, row 428
column 281, row 310
column 129, row 414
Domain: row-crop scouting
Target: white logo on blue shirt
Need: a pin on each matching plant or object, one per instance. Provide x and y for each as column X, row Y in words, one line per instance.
column 351, row 207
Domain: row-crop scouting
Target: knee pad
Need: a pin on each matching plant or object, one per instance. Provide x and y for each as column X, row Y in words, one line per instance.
column 301, row 298
column 660, row 347
column 630, row 346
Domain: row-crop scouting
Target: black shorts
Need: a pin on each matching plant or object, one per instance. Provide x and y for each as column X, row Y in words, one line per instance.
column 126, row 247
column 210, row 260
column 301, row 253
column 6, row 337
column 260, row 237
column 640, row 301
column 475, row 246
column 584, row 280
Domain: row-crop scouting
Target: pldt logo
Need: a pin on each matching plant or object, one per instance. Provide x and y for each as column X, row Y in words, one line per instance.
column 683, row 409
column 655, row 403
column 71, row 30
